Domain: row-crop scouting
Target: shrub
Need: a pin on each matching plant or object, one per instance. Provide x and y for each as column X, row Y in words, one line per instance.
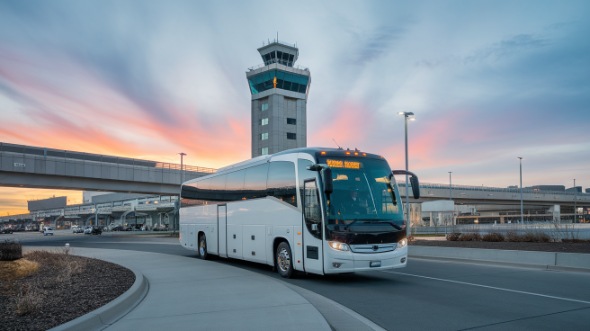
column 537, row 237
column 513, row 237
column 493, row 237
column 453, row 236
column 470, row 237
column 10, row 251
column 29, row 300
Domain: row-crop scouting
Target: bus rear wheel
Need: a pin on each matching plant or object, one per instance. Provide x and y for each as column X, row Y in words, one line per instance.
column 283, row 260
column 202, row 249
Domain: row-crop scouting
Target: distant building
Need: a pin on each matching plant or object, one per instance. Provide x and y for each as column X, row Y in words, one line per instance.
column 279, row 100
column 551, row 188
column 575, row 189
column 45, row 204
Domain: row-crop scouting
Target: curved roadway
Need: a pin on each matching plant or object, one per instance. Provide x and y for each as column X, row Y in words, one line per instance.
column 426, row 295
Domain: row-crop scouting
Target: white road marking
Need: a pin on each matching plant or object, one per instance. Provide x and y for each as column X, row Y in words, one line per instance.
column 492, row 287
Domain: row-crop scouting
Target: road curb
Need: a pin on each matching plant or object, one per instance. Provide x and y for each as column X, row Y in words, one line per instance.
column 549, row 260
column 108, row 314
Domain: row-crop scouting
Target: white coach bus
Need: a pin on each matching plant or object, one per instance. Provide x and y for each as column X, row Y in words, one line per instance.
column 314, row 210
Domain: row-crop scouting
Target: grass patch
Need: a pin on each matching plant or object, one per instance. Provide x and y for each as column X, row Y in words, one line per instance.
column 11, row 270
column 28, row 296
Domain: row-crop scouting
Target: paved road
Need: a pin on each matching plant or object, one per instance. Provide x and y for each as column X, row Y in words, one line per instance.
column 428, row 294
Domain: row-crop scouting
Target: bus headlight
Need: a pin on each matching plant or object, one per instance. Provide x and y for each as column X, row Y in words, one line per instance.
column 402, row 243
column 338, row 246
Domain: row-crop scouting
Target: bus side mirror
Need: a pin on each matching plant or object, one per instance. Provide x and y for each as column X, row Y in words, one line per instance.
column 415, row 186
column 328, row 183
column 413, row 181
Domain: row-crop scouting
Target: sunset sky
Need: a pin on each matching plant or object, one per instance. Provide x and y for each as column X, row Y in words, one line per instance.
column 489, row 81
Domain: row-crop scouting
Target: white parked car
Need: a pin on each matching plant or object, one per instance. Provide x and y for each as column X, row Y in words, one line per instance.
column 47, row 231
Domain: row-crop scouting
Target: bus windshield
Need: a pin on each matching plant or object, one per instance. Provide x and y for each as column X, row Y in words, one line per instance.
column 363, row 195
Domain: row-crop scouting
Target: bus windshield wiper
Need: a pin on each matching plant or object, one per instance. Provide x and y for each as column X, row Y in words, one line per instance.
column 349, row 224
column 390, row 223
column 394, row 225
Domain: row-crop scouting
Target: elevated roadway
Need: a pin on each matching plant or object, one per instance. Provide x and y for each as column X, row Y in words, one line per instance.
column 37, row 167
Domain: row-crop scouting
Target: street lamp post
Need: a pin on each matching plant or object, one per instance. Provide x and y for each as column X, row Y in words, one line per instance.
column 407, row 115
column 181, row 167
column 182, row 155
column 575, row 202
column 521, row 205
column 450, row 186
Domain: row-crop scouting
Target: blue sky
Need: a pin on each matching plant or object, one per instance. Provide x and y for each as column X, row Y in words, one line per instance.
column 488, row 81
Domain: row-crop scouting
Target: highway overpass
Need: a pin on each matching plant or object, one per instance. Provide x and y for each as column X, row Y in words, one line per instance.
column 36, row 167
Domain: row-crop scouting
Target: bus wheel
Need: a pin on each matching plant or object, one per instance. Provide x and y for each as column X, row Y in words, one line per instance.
column 284, row 262
column 202, row 252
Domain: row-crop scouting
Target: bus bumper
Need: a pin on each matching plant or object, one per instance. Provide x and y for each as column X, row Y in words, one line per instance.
column 347, row 262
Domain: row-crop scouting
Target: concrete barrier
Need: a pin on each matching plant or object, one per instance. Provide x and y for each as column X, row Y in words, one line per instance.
column 547, row 259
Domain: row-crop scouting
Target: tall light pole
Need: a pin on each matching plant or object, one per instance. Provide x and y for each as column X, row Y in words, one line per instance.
column 575, row 202
column 182, row 155
column 407, row 115
column 450, row 186
column 521, row 206
column 181, row 167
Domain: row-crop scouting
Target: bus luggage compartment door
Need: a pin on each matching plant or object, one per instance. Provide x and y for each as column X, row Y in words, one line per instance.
column 222, row 230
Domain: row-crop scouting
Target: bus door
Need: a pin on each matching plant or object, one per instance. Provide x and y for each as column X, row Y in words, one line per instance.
column 222, row 230
column 313, row 259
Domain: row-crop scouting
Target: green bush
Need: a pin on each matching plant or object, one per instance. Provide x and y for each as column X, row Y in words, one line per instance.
column 10, row 251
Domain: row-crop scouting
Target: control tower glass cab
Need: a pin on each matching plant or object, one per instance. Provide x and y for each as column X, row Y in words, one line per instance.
column 279, row 100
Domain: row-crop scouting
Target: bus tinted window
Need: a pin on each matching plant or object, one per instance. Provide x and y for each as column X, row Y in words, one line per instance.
column 281, row 182
column 255, row 182
column 234, row 185
column 304, row 174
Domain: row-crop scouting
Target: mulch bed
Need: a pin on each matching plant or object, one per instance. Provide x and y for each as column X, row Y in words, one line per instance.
column 61, row 299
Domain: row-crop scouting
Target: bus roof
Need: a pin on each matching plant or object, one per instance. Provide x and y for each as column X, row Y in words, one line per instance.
column 313, row 151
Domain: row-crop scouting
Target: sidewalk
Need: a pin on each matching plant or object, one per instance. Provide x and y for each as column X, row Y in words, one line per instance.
column 183, row 293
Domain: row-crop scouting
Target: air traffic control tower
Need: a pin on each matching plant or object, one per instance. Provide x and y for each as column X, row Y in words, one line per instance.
column 279, row 100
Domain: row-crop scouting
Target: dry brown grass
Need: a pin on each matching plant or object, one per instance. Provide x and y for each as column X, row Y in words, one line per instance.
column 10, row 270
column 28, row 298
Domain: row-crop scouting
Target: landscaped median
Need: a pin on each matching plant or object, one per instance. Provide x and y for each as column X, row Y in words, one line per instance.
column 43, row 289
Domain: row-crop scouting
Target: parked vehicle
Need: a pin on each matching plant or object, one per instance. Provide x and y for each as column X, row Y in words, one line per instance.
column 47, row 231
column 93, row 230
column 77, row 229
column 6, row 231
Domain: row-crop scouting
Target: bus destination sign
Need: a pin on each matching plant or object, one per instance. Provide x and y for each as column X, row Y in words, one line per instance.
column 343, row 164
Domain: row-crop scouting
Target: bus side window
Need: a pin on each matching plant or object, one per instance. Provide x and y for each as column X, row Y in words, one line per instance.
column 255, row 182
column 281, row 182
column 303, row 173
column 311, row 209
column 235, row 185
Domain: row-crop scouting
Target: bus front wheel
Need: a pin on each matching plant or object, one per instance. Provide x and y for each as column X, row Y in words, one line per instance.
column 202, row 251
column 284, row 261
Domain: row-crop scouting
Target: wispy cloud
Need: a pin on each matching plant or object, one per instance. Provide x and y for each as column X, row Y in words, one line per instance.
column 488, row 82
